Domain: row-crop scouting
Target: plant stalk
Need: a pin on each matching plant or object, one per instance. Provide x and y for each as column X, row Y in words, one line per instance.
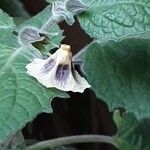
column 72, row 140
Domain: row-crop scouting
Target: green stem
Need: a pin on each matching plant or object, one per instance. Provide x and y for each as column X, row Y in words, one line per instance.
column 72, row 140
column 50, row 22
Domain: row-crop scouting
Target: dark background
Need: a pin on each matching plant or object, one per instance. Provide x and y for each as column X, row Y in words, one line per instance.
column 82, row 113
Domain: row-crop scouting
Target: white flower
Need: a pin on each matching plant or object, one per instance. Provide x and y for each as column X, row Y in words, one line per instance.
column 57, row 71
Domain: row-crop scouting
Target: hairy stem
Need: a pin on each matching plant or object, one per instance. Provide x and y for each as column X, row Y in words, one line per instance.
column 72, row 140
column 50, row 22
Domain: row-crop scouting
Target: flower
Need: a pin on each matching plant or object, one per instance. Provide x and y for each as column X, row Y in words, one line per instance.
column 57, row 71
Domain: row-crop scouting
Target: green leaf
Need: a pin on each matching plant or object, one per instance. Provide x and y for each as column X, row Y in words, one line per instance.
column 119, row 73
column 6, row 22
column 133, row 134
column 55, row 34
column 117, row 118
column 22, row 97
column 39, row 19
column 115, row 19
column 7, row 27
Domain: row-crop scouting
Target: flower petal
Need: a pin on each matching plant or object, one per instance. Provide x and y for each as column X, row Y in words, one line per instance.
column 57, row 71
column 62, row 72
column 48, row 66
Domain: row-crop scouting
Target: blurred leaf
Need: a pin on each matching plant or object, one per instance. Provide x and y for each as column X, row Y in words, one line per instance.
column 14, row 8
column 133, row 134
column 14, row 142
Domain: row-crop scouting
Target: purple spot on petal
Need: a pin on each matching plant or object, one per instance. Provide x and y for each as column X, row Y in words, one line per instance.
column 62, row 72
column 48, row 66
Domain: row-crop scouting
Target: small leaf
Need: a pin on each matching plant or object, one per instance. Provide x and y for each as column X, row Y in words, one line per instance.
column 31, row 35
column 66, row 9
column 117, row 118
column 133, row 134
column 55, row 34
column 119, row 73
column 115, row 19
column 76, row 6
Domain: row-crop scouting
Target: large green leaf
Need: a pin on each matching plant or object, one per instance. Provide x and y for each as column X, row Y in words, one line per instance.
column 21, row 96
column 119, row 73
column 115, row 19
column 133, row 134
